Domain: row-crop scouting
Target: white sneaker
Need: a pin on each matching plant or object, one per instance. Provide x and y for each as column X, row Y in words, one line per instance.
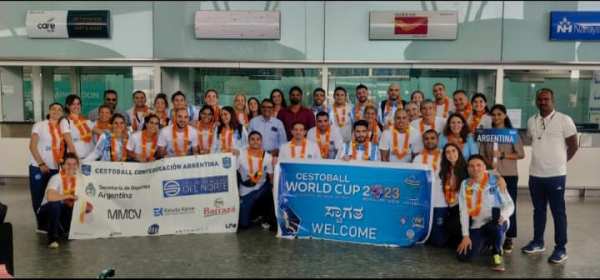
column 265, row 225
column 53, row 245
column 41, row 231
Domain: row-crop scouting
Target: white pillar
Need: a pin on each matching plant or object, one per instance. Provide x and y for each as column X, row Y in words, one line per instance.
column 36, row 92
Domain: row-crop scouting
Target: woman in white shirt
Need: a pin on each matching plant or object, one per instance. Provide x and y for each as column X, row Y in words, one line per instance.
column 206, row 129
column 46, row 148
column 76, row 129
column 255, row 177
column 102, row 124
column 143, row 144
column 231, row 136
column 112, row 146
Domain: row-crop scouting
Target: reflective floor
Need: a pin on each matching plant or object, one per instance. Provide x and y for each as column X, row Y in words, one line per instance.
column 257, row 253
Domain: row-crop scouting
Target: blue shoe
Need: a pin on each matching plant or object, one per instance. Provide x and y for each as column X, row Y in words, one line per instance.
column 533, row 248
column 558, row 256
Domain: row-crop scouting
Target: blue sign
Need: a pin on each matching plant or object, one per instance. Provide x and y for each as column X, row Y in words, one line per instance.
column 354, row 203
column 194, row 186
column 496, row 135
column 574, row 26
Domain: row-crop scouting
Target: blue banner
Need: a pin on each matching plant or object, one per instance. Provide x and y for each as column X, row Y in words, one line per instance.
column 574, row 26
column 353, row 202
column 496, row 135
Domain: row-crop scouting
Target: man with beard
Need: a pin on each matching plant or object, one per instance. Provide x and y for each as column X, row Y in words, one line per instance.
column 318, row 101
column 360, row 148
column 296, row 113
column 443, row 105
column 178, row 139
column 362, row 99
column 387, row 108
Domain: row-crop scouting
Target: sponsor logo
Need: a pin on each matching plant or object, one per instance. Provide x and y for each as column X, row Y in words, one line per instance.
column 161, row 211
column 153, row 229
column 195, row 186
column 231, row 226
column 124, row 214
column 49, row 25
column 403, row 220
column 86, row 169
column 412, row 181
column 411, row 25
column 90, row 190
column 218, row 210
column 564, row 26
column 191, row 230
column 418, row 222
column 410, row 234
column 377, row 191
column 226, row 162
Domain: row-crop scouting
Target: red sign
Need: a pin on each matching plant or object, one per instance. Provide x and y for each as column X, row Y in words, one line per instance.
column 410, row 25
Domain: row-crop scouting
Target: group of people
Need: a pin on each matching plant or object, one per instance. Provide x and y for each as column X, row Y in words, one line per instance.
column 473, row 195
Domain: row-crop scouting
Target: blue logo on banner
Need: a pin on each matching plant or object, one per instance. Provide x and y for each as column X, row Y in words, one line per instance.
column 361, row 204
column 158, row 212
column 86, row 169
column 226, row 162
column 575, row 25
column 195, row 186
column 496, row 135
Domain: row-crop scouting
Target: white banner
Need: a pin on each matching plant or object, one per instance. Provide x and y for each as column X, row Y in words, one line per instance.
column 193, row 194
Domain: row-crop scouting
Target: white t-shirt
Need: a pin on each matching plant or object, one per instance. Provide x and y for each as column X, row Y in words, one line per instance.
column 44, row 146
column 415, row 144
column 83, row 148
column 346, row 117
column 440, row 123
column 138, row 117
column 206, row 138
column 55, row 183
column 243, row 168
column 360, row 152
column 102, row 151
column 484, row 122
column 439, row 109
column 165, row 139
column 387, row 118
column 135, row 144
column 312, row 151
column 437, row 193
column 239, row 142
column 548, row 146
column 336, row 141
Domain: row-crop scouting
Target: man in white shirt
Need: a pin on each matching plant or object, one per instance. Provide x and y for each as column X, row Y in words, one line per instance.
column 299, row 147
column 362, row 99
column 341, row 114
column 179, row 138
column 428, row 119
column 554, row 142
column 360, row 148
column 443, row 105
column 329, row 138
column 400, row 143
column 387, row 108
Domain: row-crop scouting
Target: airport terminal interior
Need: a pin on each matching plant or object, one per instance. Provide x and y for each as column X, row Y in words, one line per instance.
column 505, row 50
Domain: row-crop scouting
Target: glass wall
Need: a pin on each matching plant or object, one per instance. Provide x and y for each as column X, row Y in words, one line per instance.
column 379, row 79
column 575, row 92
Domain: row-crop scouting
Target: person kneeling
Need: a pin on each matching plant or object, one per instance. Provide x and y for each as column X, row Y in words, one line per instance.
column 255, row 176
column 57, row 205
column 485, row 207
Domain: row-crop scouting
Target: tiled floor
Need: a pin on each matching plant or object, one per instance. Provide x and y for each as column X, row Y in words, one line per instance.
column 257, row 253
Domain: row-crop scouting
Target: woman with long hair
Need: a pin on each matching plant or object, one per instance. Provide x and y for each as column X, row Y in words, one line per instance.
column 161, row 109
column 253, row 107
column 241, row 110
column 143, row 144
column 206, row 129
column 76, row 129
column 112, row 146
column 102, row 124
column 453, row 170
column 375, row 128
column 46, row 150
column 278, row 101
column 503, row 158
column 456, row 131
column 231, row 136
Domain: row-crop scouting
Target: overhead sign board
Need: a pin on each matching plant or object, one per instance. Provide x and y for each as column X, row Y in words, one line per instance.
column 574, row 25
column 68, row 24
column 237, row 25
column 413, row 25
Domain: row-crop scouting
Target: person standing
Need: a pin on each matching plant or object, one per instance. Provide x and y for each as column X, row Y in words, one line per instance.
column 143, row 144
column 428, row 119
column 296, row 112
column 161, row 109
column 110, row 100
column 112, row 146
column 76, row 130
column 241, row 110
column 414, row 110
column 319, row 101
column 211, row 98
column 178, row 139
column 362, row 100
column 360, row 148
column 417, row 97
column 461, row 104
column 480, row 117
column 456, row 131
column 299, row 147
column 139, row 111
column 102, row 124
column 231, row 136
column 504, row 160
column 46, row 149
column 327, row 137
column 278, row 101
column 400, row 143
column 341, row 114
column 554, row 142
column 206, row 129
column 253, row 107
column 443, row 104
column 271, row 128
column 388, row 107
column 178, row 99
